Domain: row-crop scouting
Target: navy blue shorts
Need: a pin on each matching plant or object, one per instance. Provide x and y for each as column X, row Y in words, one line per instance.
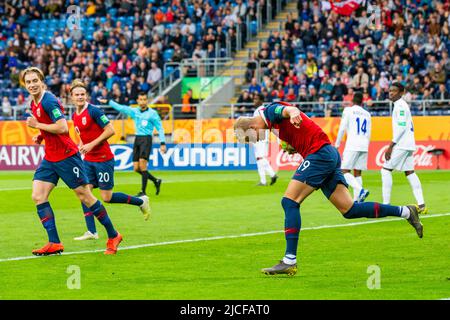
column 70, row 170
column 100, row 174
column 322, row 169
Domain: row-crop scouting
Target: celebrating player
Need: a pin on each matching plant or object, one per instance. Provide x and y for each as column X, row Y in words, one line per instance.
column 260, row 149
column 145, row 119
column 61, row 160
column 399, row 155
column 319, row 169
column 357, row 123
column 94, row 129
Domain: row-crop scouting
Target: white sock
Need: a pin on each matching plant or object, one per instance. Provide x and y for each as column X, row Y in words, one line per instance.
column 261, row 171
column 405, row 212
column 289, row 259
column 386, row 178
column 268, row 168
column 359, row 179
column 351, row 180
column 416, row 188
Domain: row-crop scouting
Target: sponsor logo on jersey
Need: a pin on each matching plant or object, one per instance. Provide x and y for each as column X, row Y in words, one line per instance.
column 38, row 112
column 83, row 121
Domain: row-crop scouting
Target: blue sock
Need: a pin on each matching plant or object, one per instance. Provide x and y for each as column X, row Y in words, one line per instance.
column 119, row 197
column 99, row 211
column 292, row 224
column 89, row 217
column 47, row 217
column 372, row 210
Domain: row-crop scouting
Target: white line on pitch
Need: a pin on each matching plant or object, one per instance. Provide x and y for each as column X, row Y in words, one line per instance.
column 156, row 244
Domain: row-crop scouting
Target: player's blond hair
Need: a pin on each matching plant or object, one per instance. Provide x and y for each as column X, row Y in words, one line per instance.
column 24, row 72
column 77, row 83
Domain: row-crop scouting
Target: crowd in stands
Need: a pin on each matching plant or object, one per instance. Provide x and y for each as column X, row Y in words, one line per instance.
column 124, row 43
column 323, row 56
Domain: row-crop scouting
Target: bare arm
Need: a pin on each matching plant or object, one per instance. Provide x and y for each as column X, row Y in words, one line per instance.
column 294, row 114
column 108, row 132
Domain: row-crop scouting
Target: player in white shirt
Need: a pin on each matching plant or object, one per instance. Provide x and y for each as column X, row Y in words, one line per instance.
column 357, row 123
column 261, row 150
column 399, row 155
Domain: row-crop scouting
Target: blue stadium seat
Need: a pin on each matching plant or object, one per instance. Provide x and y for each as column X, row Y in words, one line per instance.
column 254, row 28
column 168, row 54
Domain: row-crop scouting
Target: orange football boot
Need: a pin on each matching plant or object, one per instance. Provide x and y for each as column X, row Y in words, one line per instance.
column 113, row 243
column 48, row 249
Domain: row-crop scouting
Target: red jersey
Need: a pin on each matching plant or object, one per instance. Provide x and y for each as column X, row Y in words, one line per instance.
column 307, row 139
column 57, row 146
column 89, row 125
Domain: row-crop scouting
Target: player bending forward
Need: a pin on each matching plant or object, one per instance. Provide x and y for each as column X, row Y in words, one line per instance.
column 357, row 123
column 94, row 129
column 320, row 169
column 61, row 160
column 399, row 154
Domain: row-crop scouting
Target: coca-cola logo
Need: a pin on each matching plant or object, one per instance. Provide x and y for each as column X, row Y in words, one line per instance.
column 421, row 156
column 285, row 159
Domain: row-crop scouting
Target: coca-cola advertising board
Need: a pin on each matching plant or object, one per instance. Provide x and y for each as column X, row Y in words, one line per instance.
column 423, row 159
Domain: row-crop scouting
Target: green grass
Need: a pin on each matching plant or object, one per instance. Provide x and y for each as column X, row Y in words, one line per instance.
column 333, row 262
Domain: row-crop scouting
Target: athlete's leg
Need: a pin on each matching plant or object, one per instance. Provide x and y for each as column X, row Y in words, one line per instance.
column 40, row 193
column 143, row 164
column 90, row 221
column 342, row 200
column 386, row 179
column 261, row 171
column 295, row 193
column 351, row 180
column 416, row 187
column 98, row 210
column 118, row 197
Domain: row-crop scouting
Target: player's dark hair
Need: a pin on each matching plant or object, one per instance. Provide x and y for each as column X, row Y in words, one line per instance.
column 357, row 98
column 399, row 86
column 142, row 93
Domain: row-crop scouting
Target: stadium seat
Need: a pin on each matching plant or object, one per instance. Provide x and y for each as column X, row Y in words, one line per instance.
column 254, row 28
column 168, row 54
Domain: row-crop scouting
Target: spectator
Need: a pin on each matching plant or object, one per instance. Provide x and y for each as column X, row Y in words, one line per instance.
column 154, row 75
column 254, row 87
column 188, row 108
column 339, row 90
column 360, row 79
column 6, row 108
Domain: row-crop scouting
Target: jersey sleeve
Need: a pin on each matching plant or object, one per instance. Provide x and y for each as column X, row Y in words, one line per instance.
column 52, row 107
column 98, row 116
column 274, row 113
column 124, row 109
column 156, row 120
column 342, row 127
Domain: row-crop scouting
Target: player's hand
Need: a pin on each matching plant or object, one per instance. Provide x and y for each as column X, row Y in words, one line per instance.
column 37, row 139
column 32, row 122
column 388, row 153
column 86, row 148
column 163, row 149
column 296, row 119
column 102, row 101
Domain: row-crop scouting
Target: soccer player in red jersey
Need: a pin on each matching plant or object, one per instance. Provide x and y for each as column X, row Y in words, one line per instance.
column 94, row 129
column 319, row 169
column 61, row 160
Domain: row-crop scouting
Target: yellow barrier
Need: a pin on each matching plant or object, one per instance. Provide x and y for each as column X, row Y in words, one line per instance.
column 215, row 130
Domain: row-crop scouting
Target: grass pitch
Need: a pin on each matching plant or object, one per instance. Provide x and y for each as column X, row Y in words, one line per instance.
column 211, row 233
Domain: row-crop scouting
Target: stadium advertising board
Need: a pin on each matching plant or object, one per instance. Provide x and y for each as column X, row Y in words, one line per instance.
column 423, row 159
column 177, row 157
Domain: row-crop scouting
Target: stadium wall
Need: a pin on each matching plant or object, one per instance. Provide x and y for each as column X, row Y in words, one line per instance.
column 194, row 138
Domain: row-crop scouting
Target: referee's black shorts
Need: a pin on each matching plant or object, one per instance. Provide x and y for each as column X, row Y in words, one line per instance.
column 142, row 148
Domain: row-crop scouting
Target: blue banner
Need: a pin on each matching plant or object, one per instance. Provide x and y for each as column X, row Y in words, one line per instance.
column 190, row 157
